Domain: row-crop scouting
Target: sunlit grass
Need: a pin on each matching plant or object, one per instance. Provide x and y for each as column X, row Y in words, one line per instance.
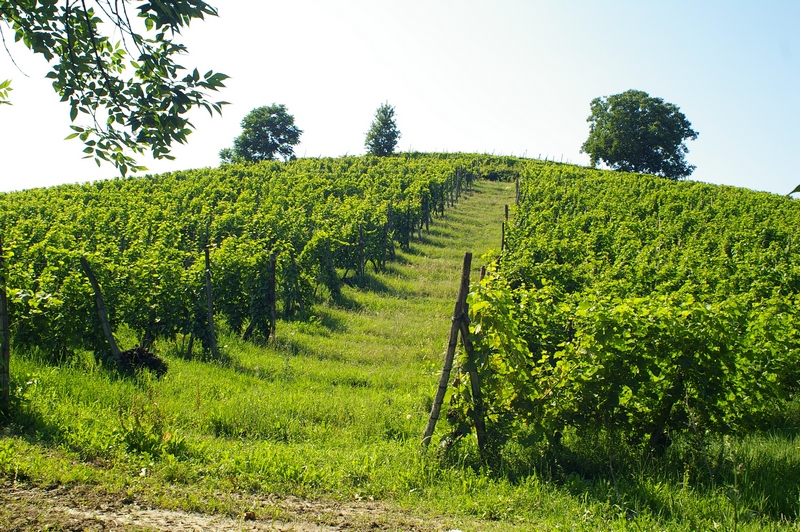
column 335, row 407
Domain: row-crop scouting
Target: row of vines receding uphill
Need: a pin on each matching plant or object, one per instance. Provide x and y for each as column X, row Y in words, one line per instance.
column 639, row 308
column 322, row 219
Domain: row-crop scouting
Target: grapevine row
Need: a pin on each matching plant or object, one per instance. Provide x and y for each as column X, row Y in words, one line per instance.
column 323, row 219
column 637, row 306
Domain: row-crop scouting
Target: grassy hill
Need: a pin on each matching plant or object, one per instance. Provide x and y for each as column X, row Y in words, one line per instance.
column 333, row 406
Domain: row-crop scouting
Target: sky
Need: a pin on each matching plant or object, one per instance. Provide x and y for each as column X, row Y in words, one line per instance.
column 502, row 77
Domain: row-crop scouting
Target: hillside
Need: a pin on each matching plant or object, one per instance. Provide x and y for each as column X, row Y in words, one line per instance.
column 319, row 424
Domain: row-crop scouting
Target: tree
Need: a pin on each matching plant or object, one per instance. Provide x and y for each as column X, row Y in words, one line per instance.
column 128, row 112
column 634, row 132
column 383, row 134
column 266, row 131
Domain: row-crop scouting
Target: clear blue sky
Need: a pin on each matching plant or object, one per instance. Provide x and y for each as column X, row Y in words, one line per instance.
column 504, row 77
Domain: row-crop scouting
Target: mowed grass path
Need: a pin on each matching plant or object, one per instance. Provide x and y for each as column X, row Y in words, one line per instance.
column 335, row 407
column 364, row 369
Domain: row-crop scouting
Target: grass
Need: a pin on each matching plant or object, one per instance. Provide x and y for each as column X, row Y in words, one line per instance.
column 335, row 408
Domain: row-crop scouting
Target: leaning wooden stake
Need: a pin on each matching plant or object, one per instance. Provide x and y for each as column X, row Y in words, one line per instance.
column 475, row 384
column 455, row 327
column 102, row 314
column 5, row 337
column 210, row 302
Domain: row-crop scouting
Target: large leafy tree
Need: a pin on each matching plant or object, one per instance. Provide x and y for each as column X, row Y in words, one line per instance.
column 267, row 131
column 635, row 132
column 134, row 94
column 383, row 133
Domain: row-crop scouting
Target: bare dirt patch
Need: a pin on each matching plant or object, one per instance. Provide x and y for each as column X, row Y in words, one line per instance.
column 79, row 508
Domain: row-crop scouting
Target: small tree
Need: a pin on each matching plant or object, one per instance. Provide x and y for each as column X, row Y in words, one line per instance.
column 634, row 132
column 266, row 132
column 383, row 133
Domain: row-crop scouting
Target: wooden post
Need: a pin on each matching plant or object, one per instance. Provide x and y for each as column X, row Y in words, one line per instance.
column 475, row 384
column 426, row 214
column 210, row 302
column 272, row 306
column 503, row 237
column 299, row 292
column 483, row 272
column 455, row 327
column 361, row 250
column 409, row 225
column 5, row 336
column 506, row 215
column 384, row 245
column 389, row 227
column 102, row 314
column 516, row 196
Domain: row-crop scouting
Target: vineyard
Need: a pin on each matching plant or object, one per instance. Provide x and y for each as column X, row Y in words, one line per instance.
column 640, row 307
column 633, row 347
column 276, row 235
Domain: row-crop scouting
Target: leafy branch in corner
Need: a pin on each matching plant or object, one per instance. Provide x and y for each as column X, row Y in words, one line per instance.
column 135, row 95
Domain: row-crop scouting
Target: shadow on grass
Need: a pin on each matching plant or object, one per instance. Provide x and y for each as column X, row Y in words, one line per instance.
column 30, row 425
column 257, row 373
column 436, row 238
column 289, row 347
column 753, row 476
column 369, row 282
column 345, row 302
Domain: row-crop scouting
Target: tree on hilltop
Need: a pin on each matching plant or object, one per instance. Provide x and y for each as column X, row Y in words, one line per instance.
column 133, row 92
column 635, row 132
column 383, row 133
column 267, row 131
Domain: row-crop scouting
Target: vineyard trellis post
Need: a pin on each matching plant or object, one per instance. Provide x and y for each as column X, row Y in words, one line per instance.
column 298, row 290
column 210, row 303
column 103, row 314
column 361, row 250
column 475, row 382
column 409, row 228
column 389, row 239
column 426, row 213
column 5, row 336
column 455, row 328
column 273, row 314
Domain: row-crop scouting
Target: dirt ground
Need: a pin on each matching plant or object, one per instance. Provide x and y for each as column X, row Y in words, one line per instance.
column 25, row 508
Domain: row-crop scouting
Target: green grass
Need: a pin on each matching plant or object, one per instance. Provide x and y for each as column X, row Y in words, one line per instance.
column 335, row 407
